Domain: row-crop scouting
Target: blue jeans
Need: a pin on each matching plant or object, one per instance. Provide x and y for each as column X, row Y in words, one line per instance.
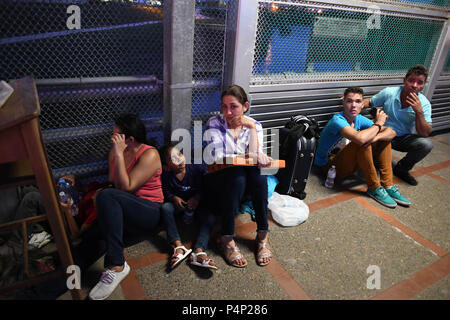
column 168, row 220
column 206, row 219
column 225, row 191
column 117, row 209
column 417, row 148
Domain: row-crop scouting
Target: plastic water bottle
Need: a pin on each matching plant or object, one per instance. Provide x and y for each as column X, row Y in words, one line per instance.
column 66, row 193
column 329, row 183
column 63, row 188
column 63, row 197
column 188, row 215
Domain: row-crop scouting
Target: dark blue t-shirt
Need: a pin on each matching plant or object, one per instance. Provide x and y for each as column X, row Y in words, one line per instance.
column 186, row 188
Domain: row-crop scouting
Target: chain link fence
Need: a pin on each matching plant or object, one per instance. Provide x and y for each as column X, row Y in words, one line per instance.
column 209, row 38
column 86, row 76
column 301, row 42
column 208, row 63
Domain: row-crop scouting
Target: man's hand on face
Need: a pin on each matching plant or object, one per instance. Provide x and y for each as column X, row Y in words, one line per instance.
column 413, row 100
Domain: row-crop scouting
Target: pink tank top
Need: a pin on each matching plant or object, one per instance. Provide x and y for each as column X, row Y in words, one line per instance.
column 150, row 190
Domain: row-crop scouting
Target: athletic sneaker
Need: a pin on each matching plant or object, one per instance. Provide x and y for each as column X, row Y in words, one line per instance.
column 396, row 195
column 380, row 195
column 108, row 282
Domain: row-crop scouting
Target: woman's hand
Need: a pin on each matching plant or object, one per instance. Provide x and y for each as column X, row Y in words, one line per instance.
column 119, row 144
column 238, row 121
column 263, row 160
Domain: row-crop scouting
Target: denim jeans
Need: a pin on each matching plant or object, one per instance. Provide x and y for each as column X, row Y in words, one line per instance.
column 416, row 148
column 168, row 220
column 117, row 209
column 205, row 218
column 225, row 190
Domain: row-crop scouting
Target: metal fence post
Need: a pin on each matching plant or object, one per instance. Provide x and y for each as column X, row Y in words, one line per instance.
column 178, row 62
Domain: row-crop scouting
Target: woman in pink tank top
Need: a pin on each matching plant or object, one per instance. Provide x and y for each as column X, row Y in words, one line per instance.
column 135, row 172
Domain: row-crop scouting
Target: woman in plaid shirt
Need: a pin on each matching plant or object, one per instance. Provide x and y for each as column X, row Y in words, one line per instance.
column 233, row 134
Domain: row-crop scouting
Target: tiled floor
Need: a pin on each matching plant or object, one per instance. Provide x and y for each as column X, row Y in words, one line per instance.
column 327, row 257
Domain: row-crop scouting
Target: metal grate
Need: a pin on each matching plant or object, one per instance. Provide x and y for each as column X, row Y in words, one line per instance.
column 117, row 38
column 299, row 42
column 422, row 3
column 77, row 121
column 208, row 64
column 86, row 76
column 209, row 38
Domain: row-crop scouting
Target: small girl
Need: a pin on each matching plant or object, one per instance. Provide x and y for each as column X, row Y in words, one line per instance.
column 182, row 186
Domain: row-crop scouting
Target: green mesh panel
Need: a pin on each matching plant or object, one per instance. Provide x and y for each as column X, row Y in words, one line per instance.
column 296, row 43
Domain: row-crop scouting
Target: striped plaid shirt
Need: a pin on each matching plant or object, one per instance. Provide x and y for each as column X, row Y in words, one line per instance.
column 221, row 142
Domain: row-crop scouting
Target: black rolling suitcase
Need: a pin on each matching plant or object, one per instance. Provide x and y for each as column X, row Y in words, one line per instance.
column 297, row 148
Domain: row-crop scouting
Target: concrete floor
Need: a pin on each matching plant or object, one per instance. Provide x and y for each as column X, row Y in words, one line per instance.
column 327, row 257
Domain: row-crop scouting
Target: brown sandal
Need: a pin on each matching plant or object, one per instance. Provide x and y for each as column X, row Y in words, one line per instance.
column 260, row 255
column 231, row 254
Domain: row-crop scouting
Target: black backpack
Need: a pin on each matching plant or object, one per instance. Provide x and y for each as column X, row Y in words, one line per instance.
column 295, row 128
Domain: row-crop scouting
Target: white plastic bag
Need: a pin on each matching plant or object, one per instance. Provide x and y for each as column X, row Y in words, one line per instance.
column 288, row 211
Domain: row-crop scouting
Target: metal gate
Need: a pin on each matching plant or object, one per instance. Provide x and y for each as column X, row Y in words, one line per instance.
column 86, row 75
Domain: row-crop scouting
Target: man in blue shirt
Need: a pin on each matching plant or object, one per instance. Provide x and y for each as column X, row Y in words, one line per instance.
column 350, row 141
column 407, row 109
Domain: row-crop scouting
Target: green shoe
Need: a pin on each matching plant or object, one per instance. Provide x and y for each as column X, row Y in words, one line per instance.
column 380, row 195
column 396, row 195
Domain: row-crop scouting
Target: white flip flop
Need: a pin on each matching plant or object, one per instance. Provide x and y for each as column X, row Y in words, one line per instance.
column 204, row 263
column 180, row 256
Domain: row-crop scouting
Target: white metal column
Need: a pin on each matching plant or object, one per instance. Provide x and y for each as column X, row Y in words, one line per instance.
column 240, row 42
column 439, row 60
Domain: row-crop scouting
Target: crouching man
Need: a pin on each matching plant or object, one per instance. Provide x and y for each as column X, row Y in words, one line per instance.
column 351, row 141
column 408, row 110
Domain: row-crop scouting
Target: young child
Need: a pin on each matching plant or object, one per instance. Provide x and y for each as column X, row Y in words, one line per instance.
column 182, row 188
column 87, row 212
